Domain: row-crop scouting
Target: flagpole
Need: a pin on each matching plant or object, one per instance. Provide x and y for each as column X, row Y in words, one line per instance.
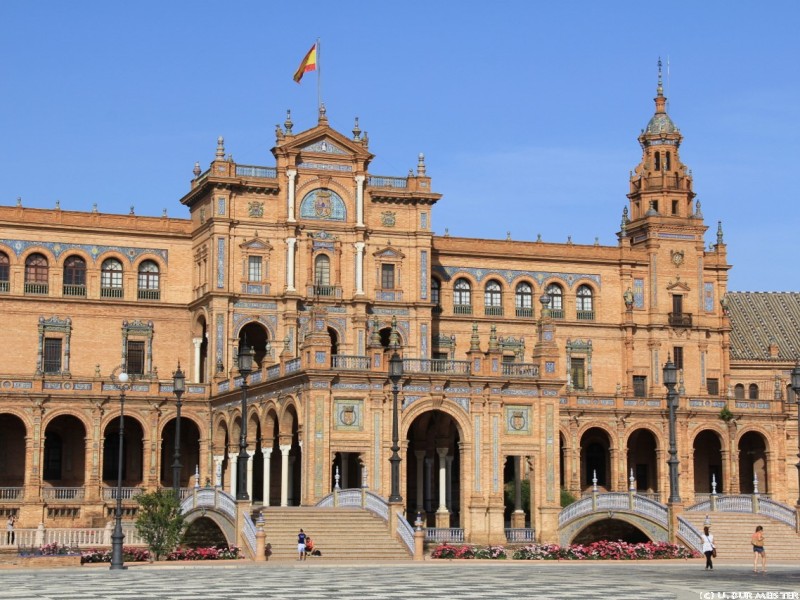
column 319, row 78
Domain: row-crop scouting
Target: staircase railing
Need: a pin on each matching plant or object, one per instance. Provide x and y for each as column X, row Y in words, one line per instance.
column 249, row 531
column 405, row 532
column 690, row 534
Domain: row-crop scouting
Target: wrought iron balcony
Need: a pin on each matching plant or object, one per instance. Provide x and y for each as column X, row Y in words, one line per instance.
column 680, row 319
column 524, row 312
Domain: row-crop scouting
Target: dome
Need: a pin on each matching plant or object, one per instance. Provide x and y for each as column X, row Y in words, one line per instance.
column 661, row 123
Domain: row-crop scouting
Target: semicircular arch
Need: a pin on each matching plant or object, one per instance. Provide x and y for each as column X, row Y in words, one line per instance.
column 453, row 410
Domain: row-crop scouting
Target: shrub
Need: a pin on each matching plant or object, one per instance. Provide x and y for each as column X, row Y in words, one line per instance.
column 604, row 549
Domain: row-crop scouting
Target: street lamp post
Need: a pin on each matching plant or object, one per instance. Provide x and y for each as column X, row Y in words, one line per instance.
column 121, row 383
column 796, row 389
column 245, row 368
column 395, row 373
column 178, row 387
column 670, row 381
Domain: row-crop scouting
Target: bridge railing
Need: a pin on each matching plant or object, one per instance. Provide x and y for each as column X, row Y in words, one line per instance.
column 208, row 497
column 624, row 501
column 357, row 497
column 749, row 503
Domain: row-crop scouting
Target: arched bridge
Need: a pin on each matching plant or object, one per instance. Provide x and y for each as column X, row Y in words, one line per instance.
column 219, row 506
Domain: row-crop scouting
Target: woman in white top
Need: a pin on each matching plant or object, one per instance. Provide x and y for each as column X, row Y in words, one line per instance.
column 708, row 547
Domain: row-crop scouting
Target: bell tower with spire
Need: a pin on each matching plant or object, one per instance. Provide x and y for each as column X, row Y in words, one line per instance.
column 661, row 185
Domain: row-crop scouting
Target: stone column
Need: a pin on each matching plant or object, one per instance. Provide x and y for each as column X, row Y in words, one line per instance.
column 345, row 480
column 518, row 516
column 442, row 514
column 290, row 479
column 359, row 268
column 449, row 470
column 267, row 452
column 290, row 243
column 614, row 473
column 420, row 454
column 198, row 341
column 428, row 482
column 359, row 200
column 232, row 469
column 290, row 175
column 285, row 474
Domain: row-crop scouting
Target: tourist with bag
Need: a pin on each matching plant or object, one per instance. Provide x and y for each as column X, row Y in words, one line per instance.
column 709, row 549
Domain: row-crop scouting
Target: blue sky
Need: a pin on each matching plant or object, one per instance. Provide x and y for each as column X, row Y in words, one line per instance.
column 527, row 111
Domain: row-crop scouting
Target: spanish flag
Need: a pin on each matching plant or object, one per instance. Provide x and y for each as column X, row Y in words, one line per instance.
column 309, row 64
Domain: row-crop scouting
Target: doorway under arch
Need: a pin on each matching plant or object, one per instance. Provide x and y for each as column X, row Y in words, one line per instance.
column 642, row 460
column 595, row 458
column 12, row 451
column 753, row 463
column 433, row 469
column 64, row 452
column 257, row 338
column 610, row 529
column 132, row 453
column 189, row 448
column 707, row 451
column 204, row 533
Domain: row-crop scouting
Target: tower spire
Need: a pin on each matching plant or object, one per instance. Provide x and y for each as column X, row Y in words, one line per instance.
column 661, row 101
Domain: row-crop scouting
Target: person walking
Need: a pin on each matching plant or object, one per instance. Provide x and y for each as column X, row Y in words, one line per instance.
column 708, row 547
column 301, row 545
column 758, row 550
column 10, row 535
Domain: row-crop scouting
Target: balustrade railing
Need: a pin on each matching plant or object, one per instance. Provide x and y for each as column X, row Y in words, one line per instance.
column 253, row 171
column 273, row 371
column 520, row 369
column 524, row 312
column 74, row 290
column 149, row 294
column 128, row 493
column 735, row 503
column 249, row 531
column 350, row 363
column 405, row 532
column 5, row 286
column 10, row 493
column 35, row 288
column 442, row 535
column 690, row 534
column 391, row 182
column 111, row 292
column 462, row 309
column 62, row 493
column 777, row 511
column 292, row 365
column 73, row 537
column 520, row 535
column 436, row 365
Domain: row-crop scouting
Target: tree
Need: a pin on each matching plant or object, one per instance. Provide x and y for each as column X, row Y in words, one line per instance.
column 160, row 521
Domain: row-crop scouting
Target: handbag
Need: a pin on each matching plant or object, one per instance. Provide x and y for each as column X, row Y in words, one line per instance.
column 714, row 552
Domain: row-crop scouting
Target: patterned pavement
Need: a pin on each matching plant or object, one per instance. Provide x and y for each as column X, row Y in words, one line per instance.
column 454, row 580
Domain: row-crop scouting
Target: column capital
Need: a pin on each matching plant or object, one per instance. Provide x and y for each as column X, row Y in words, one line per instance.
column 285, row 448
column 442, row 452
column 360, row 178
column 291, row 173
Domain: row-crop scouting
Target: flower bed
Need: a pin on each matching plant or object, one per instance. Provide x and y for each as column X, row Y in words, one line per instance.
column 102, row 555
column 602, row 550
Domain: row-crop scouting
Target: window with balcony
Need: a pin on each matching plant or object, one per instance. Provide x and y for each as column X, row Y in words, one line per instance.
column 51, row 364
column 462, row 297
column 387, row 276
column 584, row 303
column 523, row 300
column 322, row 276
column 254, row 268
column 4, row 272
column 493, row 298
column 37, row 272
column 74, row 276
column 149, row 281
column 556, row 294
column 639, row 386
column 111, row 278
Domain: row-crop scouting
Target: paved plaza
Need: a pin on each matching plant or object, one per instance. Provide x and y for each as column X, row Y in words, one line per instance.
column 452, row 580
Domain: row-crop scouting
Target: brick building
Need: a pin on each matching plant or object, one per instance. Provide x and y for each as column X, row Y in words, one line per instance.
column 522, row 360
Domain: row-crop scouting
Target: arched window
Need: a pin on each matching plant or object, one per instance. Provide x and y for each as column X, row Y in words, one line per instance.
column 668, row 163
column 658, row 161
column 4, row 272
column 111, row 278
column 149, row 285
column 523, row 299
column 322, row 276
column 584, row 304
column 36, row 274
column 556, row 300
column 493, row 298
column 752, row 392
column 436, row 293
column 462, row 297
column 738, row 391
column 74, row 276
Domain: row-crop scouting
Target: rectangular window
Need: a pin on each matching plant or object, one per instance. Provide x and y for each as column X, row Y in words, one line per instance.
column 677, row 357
column 52, row 355
column 387, row 277
column 254, row 268
column 639, row 386
column 135, row 365
column 423, row 220
column 677, row 304
column 713, row 387
column 577, row 373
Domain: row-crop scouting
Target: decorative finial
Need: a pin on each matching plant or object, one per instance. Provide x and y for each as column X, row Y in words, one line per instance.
column 596, row 241
column 446, row 232
column 713, row 483
column 58, row 204
column 421, row 165
column 220, row 155
column 755, row 484
column 508, row 236
column 196, row 170
column 719, row 233
column 651, row 211
column 287, row 124
column 19, row 201
column 569, row 239
column 375, row 337
column 632, row 486
column 164, row 213
column 594, row 480
column 356, row 131
column 131, row 212
column 336, row 478
column 538, row 237
column 697, row 212
column 94, row 207
column 278, row 132
column 410, row 173
column 196, row 476
column 660, row 89
column 365, row 141
column 322, row 116
column 474, row 340
column 493, row 345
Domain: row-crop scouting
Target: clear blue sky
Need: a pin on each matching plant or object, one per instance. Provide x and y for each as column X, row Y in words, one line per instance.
column 527, row 111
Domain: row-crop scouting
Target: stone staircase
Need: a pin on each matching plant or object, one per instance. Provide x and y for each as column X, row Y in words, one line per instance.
column 732, row 533
column 339, row 533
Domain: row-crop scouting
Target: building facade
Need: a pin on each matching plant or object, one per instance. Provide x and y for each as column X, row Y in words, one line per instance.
column 522, row 361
